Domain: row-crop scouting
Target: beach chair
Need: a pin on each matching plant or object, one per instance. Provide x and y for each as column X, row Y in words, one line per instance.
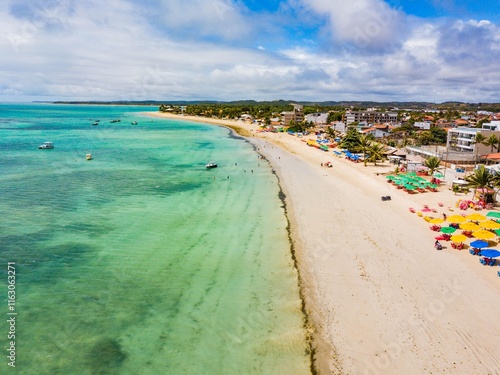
column 467, row 233
column 475, row 251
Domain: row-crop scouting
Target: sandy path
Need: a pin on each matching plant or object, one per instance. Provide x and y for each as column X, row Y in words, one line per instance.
column 382, row 299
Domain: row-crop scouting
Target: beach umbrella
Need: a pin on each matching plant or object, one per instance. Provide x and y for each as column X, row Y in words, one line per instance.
column 489, row 224
column 479, row 244
column 497, row 231
column 456, row 219
column 458, row 238
column 489, row 253
column 494, row 214
column 449, row 230
column 469, row 226
column 475, row 217
column 483, row 234
column 438, row 220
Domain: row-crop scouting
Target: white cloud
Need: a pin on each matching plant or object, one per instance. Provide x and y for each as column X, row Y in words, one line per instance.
column 210, row 18
column 118, row 50
column 364, row 24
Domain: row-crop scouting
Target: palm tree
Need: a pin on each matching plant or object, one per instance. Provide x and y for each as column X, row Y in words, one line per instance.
column 481, row 178
column 492, row 141
column 479, row 139
column 364, row 144
column 433, row 164
column 376, row 151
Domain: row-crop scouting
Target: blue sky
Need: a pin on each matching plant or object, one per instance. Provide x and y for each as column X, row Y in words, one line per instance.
column 404, row 50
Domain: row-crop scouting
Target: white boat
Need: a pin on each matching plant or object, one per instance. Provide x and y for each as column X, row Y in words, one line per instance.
column 46, row 146
column 134, row 122
column 88, row 156
column 211, row 164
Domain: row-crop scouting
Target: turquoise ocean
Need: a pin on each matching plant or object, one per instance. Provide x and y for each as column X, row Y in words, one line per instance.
column 141, row 261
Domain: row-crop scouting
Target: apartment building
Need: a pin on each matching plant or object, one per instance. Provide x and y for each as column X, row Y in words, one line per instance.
column 296, row 115
column 371, row 117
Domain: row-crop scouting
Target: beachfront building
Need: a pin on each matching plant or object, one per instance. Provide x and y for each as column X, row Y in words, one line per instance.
column 297, row 115
column 493, row 125
column 339, row 126
column 318, row 118
column 370, row 117
column 462, row 140
column 378, row 131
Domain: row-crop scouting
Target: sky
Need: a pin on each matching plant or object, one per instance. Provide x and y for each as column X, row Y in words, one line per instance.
column 303, row 50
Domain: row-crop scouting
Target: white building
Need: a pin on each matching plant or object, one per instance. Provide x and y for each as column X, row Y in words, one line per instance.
column 371, row 117
column 317, row 118
column 461, row 139
column 338, row 126
column 423, row 125
column 494, row 125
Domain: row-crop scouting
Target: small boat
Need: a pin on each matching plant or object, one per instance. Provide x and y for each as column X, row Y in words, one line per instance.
column 46, row 146
column 211, row 164
column 95, row 123
column 117, row 120
column 134, row 122
column 88, row 156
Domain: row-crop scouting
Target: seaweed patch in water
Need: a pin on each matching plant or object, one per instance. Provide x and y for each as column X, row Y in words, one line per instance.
column 105, row 356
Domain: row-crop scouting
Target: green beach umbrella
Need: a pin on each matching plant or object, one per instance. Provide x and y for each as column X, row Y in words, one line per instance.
column 448, row 230
column 494, row 214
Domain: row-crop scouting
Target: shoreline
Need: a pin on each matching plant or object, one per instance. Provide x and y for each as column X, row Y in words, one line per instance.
column 318, row 349
column 369, row 277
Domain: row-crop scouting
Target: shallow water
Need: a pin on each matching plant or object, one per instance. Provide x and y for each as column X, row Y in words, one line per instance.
column 141, row 260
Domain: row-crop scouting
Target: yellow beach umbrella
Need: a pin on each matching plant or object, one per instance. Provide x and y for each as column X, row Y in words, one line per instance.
column 475, row 217
column 483, row 234
column 456, row 219
column 469, row 226
column 438, row 220
column 458, row 238
column 489, row 224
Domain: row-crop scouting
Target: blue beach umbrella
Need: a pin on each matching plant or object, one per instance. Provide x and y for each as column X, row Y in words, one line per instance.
column 489, row 253
column 479, row 244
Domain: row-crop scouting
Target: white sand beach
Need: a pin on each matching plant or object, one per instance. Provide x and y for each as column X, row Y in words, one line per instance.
column 382, row 299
